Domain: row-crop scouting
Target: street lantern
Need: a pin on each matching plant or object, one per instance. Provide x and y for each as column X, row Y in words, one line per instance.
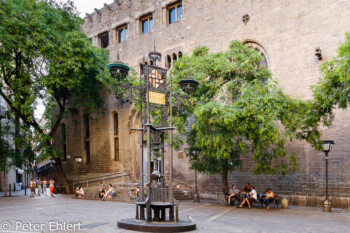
column 118, row 70
column 78, row 159
column 188, row 85
column 52, row 162
column 327, row 147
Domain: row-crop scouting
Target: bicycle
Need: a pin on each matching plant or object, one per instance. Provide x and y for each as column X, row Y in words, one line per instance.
column 222, row 197
column 132, row 196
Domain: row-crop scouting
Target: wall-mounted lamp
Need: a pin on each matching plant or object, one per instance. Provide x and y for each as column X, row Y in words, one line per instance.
column 318, row 53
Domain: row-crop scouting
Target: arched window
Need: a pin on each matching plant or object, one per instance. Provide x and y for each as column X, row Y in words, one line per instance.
column 260, row 49
column 87, row 137
column 174, row 58
column 180, row 55
column 64, row 141
column 116, row 137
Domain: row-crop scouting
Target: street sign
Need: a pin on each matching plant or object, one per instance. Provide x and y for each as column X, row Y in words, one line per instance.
column 156, row 98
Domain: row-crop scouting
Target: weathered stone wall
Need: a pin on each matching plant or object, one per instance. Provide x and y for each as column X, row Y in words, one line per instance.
column 287, row 31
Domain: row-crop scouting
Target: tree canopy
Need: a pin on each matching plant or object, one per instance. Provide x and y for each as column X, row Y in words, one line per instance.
column 239, row 109
column 333, row 89
column 45, row 56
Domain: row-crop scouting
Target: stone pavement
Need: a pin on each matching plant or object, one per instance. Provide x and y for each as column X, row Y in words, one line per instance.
column 100, row 216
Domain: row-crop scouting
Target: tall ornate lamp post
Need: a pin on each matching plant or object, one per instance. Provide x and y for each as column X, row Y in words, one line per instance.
column 154, row 94
column 78, row 159
column 327, row 147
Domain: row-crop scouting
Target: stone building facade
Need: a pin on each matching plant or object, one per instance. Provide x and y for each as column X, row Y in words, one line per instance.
column 286, row 32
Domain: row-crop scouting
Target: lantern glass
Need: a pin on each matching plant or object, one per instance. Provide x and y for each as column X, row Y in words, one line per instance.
column 188, row 85
column 327, row 145
column 118, row 70
column 78, row 159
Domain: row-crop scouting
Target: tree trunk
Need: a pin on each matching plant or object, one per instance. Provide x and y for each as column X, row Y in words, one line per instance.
column 225, row 181
column 63, row 177
column 5, row 189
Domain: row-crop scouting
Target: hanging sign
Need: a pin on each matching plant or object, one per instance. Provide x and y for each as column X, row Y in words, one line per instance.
column 156, row 98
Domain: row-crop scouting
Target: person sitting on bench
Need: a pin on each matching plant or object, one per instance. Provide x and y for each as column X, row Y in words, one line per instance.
column 270, row 196
column 233, row 194
column 245, row 191
column 252, row 196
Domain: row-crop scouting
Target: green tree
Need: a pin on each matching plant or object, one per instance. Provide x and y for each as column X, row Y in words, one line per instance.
column 333, row 89
column 9, row 156
column 45, row 56
column 237, row 111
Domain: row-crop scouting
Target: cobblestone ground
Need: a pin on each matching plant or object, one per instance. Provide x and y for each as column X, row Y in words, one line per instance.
column 99, row 216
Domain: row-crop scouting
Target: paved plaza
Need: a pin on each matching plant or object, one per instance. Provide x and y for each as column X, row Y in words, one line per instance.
column 99, row 216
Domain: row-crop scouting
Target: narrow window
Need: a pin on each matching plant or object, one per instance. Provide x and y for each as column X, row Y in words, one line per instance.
column 103, row 39
column 116, row 137
column 122, row 32
column 174, row 58
column 64, row 141
column 168, row 58
column 87, row 137
column 174, row 12
column 146, row 23
column 141, row 69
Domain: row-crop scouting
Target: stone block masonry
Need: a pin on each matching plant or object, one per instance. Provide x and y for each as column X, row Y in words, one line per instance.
column 288, row 33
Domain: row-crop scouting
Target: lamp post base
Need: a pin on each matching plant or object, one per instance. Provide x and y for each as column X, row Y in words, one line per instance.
column 143, row 226
column 196, row 197
column 327, row 206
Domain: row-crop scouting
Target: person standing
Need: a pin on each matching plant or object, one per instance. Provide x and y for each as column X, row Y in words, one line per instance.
column 51, row 186
column 44, row 186
column 39, row 183
column 32, row 186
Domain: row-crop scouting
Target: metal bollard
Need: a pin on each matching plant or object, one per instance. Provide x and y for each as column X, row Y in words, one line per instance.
column 14, row 187
column 10, row 190
column 177, row 211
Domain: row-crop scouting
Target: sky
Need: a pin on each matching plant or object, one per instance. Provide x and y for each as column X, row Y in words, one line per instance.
column 88, row 6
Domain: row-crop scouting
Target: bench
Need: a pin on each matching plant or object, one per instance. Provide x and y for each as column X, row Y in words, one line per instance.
column 275, row 202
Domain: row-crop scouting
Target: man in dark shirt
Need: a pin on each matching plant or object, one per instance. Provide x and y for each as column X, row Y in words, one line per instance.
column 245, row 191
